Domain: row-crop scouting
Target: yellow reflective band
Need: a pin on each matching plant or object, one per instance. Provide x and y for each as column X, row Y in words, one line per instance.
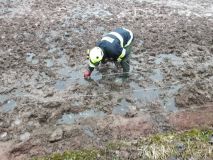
column 95, row 60
column 91, row 65
column 122, row 55
column 117, row 35
column 131, row 37
column 88, row 51
column 109, row 39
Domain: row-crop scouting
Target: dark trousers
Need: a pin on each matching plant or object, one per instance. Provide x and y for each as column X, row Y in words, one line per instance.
column 125, row 63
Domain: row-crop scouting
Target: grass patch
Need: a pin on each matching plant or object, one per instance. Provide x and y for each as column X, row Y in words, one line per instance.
column 182, row 145
column 185, row 145
column 73, row 155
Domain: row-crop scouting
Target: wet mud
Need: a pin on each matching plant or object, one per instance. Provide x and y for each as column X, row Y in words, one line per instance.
column 46, row 105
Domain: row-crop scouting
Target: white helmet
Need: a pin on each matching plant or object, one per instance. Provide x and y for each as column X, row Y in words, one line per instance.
column 96, row 54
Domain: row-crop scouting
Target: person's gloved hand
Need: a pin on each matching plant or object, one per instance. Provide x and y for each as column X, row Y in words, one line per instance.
column 87, row 74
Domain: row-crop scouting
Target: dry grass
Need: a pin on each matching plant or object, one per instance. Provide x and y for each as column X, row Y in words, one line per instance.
column 192, row 144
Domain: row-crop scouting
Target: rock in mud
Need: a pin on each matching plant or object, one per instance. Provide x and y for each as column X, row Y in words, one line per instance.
column 4, row 136
column 57, row 135
column 25, row 137
column 43, row 117
column 180, row 147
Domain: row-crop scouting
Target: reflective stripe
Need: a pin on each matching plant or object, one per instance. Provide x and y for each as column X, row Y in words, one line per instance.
column 117, row 35
column 95, row 60
column 131, row 37
column 88, row 51
column 109, row 39
column 122, row 55
column 91, row 65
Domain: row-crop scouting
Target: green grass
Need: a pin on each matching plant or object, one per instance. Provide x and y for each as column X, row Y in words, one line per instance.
column 73, row 155
column 184, row 145
column 193, row 143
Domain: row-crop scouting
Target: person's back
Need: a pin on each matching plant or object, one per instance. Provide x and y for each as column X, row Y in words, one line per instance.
column 111, row 47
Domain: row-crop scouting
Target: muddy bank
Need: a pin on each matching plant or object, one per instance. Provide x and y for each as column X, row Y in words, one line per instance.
column 189, row 144
column 97, row 132
column 201, row 117
column 46, row 105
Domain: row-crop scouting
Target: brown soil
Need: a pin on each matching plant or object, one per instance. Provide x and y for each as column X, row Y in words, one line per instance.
column 45, row 104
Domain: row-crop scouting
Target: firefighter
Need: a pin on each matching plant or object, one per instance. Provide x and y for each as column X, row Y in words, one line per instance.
column 114, row 46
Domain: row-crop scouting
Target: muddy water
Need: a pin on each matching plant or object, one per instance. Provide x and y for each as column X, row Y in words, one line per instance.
column 154, row 94
column 146, row 95
column 141, row 95
column 49, row 62
column 70, row 118
column 3, row 98
column 122, row 108
column 156, row 75
column 8, row 106
column 161, row 92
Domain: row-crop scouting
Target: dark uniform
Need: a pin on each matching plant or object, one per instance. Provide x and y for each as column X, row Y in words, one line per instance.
column 116, row 47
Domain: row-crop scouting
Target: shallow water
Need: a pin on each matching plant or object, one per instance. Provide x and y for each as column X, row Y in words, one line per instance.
column 145, row 95
column 8, row 106
column 20, row 92
column 122, row 108
column 60, row 85
column 169, row 104
column 88, row 131
column 70, row 118
column 49, row 62
column 156, row 75
column 169, row 101
column 3, row 98
column 70, row 79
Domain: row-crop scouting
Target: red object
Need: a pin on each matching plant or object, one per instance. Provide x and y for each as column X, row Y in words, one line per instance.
column 87, row 74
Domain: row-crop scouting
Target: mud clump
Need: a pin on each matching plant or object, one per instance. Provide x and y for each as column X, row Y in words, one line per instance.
column 197, row 93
